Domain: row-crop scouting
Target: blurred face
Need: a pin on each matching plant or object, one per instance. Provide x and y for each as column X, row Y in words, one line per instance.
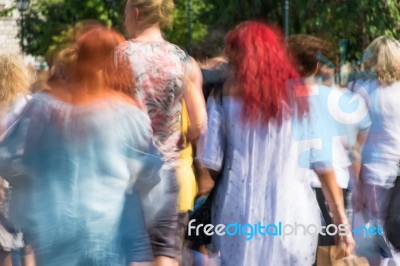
column 131, row 18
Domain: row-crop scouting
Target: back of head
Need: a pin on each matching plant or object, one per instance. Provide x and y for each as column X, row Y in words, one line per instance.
column 304, row 49
column 95, row 49
column 71, row 36
column 63, row 58
column 14, row 79
column 154, row 11
column 262, row 69
column 96, row 52
column 383, row 58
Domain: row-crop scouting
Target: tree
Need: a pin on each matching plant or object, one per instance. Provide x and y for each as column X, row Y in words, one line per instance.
column 179, row 33
column 358, row 21
column 48, row 23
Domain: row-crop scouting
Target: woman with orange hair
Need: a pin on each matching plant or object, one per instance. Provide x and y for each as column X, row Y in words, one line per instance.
column 263, row 175
column 78, row 157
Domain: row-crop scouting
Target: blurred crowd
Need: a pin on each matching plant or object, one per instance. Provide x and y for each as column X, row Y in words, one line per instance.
column 108, row 156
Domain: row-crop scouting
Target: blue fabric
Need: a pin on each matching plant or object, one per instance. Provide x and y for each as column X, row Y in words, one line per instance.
column 76, row 173
column 16, row 257
column 199, row 202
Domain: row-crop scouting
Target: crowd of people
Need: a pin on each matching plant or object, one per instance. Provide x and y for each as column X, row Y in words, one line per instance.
column 129, row 143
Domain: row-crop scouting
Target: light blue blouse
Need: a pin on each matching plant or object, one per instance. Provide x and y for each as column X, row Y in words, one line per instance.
column 76, row 173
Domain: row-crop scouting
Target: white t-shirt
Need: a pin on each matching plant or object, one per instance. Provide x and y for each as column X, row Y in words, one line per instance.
column 339, row 116
column 381, row 153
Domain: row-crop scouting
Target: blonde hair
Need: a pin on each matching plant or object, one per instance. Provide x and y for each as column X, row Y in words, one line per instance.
column 14, row 79
column 154, row 11
column 383, row 58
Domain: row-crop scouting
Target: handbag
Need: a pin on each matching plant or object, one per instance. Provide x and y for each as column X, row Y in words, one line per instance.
column 337, row 256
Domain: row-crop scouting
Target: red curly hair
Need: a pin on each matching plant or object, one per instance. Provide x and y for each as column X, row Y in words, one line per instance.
column 264, row 72
column 96, row 49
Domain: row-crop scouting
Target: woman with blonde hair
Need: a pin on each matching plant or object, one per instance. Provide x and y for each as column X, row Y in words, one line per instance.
column 381, row 153
column 165, row 75
column 14, row 87
column 14, row 90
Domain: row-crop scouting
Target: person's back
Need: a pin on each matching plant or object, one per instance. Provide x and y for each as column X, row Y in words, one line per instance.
column 77, row 160
column 382, row 148
column 380, row 156
column 262, row 155
column 164, row 76
column 262, row 183
column 78, row 157
column 159, row 70
column 337, row 116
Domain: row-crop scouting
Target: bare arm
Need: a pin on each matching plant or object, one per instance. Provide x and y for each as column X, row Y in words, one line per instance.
column 358, row 198
column 193, row 96
column 355, row 154
column 334, row 196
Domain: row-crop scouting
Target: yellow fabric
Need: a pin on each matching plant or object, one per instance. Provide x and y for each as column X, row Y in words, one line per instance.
column 185, row 170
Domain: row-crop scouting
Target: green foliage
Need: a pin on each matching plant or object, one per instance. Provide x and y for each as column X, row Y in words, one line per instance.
column 228, row 13
column 6, row 12
column 48, row 23
column 358, row 21
column 179, row 33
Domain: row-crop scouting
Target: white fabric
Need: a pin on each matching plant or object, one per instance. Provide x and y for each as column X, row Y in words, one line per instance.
column 262, row 182
column 342, row 115
column 15, row 110
column 381, row 153
column 377, row 246
column 10, row 241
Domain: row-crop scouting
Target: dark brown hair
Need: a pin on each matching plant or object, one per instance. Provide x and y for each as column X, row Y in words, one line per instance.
column 304, row 49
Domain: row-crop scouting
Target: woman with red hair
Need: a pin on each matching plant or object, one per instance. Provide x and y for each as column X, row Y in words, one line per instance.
column 264, row 179
column 78, row 157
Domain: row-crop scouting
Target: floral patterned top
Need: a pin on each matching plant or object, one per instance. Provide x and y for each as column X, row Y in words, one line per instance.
column 159, row 69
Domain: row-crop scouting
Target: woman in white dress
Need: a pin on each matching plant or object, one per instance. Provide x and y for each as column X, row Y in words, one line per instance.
column 381, row 154
column 263, row 177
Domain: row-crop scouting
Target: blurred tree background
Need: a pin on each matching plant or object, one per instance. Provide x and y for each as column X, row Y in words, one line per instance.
column 48, row 23
column 358, row 21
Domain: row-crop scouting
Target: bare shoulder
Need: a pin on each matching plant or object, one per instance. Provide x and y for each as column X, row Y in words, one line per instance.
column 193, row 73
column 193, row 69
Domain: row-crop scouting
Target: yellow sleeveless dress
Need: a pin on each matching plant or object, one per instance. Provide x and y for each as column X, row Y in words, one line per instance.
column 185, row 170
